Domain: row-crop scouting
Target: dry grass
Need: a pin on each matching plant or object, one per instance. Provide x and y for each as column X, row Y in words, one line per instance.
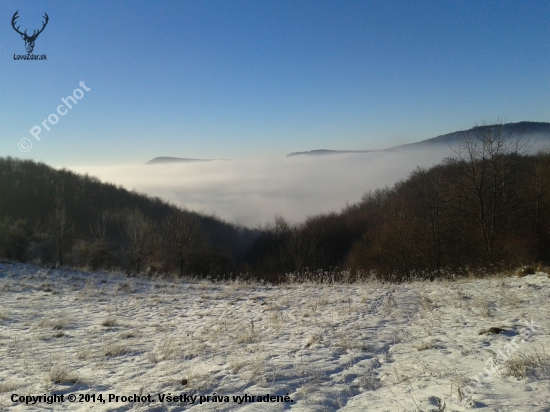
column 58, row 321
column 198, row 379
column 9, row 386
column 255, row 368
column 483, row 307
column 109, row 322
column 61, row 374
column 313, row 339
column 46, row 287
column 84, row 353
column 4, row 315
column 427, row 304
column 524, row 271
column 534, row 364
column 236, row 364
column 127, row 334
column 344, row 343
column 126, row 287
column 369, row 381
column 458, row 390
column 246, row 336
column 509, row 296
column 112, row 349
column 278, row 321
column 167, row 349
column 425, row 345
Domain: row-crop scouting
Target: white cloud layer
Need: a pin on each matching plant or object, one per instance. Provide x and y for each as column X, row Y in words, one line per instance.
column 252, row 191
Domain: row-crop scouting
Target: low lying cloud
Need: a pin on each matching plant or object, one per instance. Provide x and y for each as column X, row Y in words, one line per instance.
column 252, row 191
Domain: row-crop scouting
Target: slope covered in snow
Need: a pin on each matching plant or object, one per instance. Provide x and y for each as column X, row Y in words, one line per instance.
column 355, row 347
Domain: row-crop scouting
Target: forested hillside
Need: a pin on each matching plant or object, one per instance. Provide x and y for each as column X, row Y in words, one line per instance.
column 484, row 209
column 56, row 216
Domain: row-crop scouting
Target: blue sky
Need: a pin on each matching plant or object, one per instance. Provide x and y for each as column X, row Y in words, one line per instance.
column 230, row 79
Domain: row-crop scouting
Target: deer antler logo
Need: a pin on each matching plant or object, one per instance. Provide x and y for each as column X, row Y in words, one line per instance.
column 29, row 40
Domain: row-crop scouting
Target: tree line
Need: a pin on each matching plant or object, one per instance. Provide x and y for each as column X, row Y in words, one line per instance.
column 484, row 209
column 57, row 217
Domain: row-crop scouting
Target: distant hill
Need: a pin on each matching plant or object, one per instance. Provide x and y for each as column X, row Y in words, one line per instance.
column 324, row 152
column 531, row 130
column 165, row 160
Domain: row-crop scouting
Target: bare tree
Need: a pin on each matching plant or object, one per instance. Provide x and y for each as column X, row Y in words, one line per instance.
column 60, row 226
column 431, row 201
column 398, row 236
column 138, row 230
column 98, row 229
column 184, row 237
column 303, row 249
column 488, row 154
column 377, row 197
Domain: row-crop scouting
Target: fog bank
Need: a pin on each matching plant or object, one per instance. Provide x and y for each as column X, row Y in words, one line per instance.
column 252, row 191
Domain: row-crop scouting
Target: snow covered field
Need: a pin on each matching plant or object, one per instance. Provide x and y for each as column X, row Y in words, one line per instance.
column 358, row 347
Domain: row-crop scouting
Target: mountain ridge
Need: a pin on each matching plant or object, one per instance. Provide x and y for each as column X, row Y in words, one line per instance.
column 165, row 160
column 528, row 128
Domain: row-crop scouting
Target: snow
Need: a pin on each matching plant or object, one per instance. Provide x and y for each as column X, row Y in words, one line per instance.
column 354, row 347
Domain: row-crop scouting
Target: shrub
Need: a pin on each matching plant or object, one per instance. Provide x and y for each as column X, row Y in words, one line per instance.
column 94, row 254
column 15, row 238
